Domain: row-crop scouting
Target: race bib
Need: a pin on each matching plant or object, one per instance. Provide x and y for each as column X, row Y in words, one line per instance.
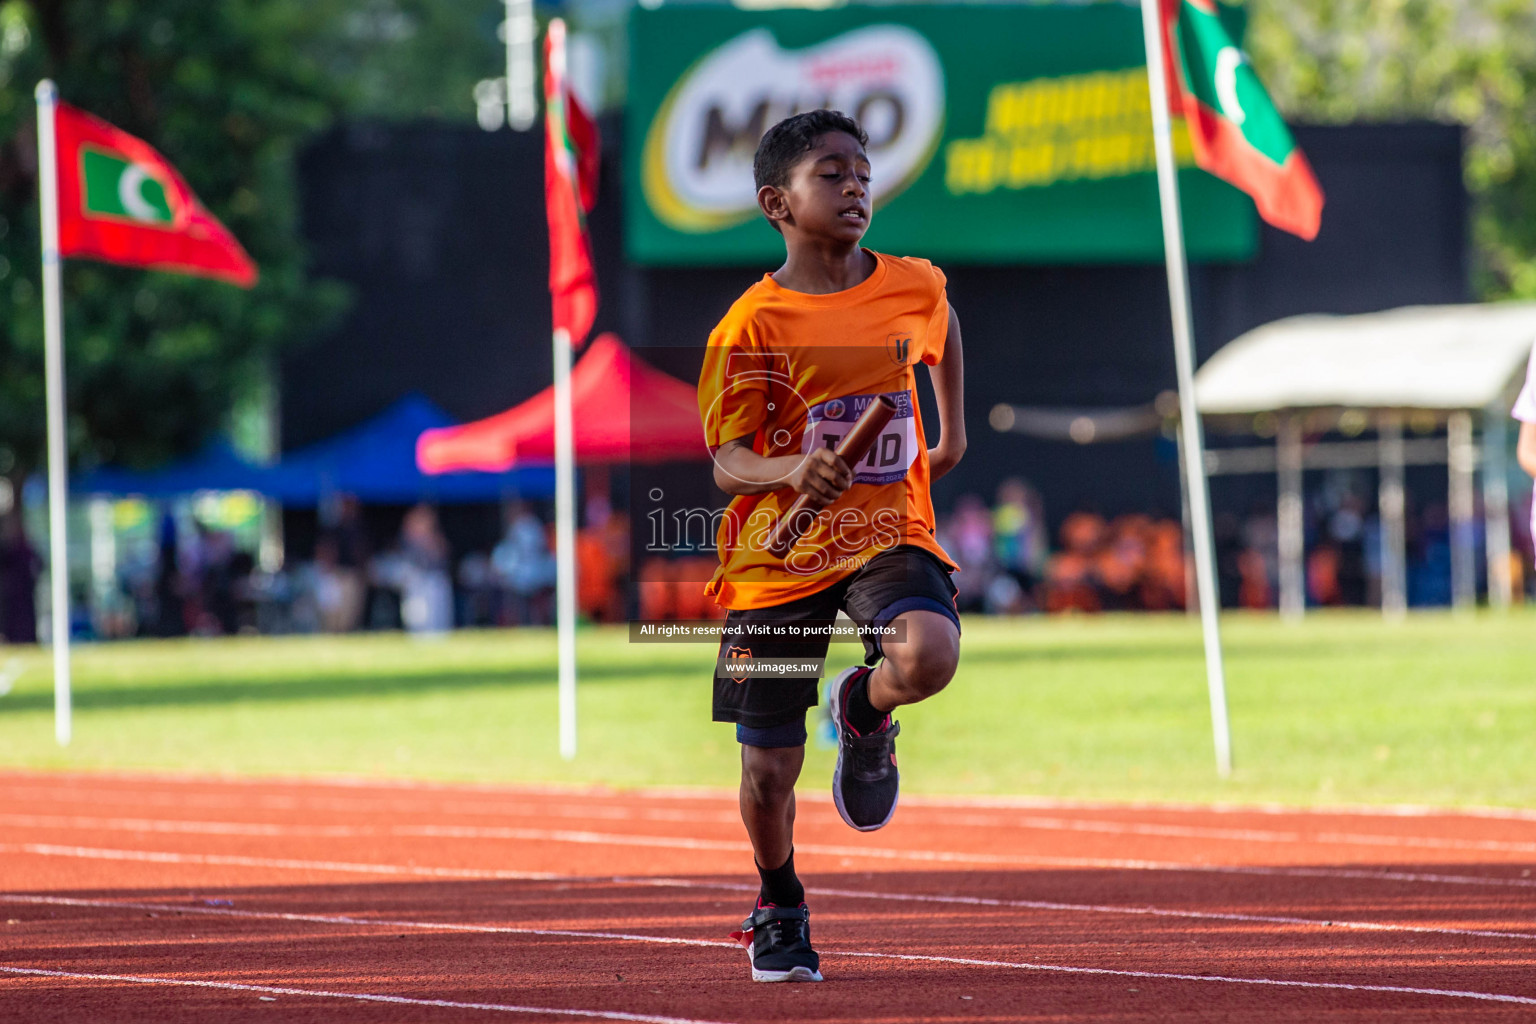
column 893, row 452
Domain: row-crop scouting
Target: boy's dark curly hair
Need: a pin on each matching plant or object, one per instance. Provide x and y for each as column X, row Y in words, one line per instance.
column 786, row 142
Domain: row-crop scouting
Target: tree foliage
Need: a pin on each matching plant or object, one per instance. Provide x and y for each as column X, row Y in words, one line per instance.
column 1470, row 62
column 227, row 90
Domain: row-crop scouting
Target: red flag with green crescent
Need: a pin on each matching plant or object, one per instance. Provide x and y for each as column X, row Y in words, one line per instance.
column 570, row 189
column 122, row 202
column 1235, row 130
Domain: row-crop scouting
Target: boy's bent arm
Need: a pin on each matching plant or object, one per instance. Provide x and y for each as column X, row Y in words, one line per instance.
column 739, row 470
column 948, row 376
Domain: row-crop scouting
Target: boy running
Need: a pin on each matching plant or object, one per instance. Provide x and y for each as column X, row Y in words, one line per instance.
column 796, row 360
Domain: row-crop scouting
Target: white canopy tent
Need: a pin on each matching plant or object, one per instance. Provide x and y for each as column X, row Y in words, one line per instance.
column 1380, row 369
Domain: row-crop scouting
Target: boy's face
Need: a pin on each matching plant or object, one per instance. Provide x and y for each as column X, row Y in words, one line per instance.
column 828, row 192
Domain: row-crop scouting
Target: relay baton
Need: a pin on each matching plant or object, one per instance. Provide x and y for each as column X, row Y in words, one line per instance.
column 793, row 524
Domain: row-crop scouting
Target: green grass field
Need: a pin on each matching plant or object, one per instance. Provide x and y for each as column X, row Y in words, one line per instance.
column 1345, row 708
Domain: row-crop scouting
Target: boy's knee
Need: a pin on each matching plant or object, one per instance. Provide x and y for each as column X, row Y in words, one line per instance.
column 770, row 773
column 925, row 666
column 934, row 668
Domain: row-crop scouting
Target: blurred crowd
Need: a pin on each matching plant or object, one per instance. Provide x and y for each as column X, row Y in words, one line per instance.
column 416, row 584
column 1007, row 565
column 1343, row 544
column 198, row 581
column 1137, row 562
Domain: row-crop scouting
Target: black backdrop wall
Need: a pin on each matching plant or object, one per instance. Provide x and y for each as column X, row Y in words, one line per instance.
column 439, row 231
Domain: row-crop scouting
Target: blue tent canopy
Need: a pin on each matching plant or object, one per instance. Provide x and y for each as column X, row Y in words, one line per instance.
column 216, row 468
column 376, row 461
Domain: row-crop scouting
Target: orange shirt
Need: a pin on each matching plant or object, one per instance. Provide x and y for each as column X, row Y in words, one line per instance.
column 794, row 371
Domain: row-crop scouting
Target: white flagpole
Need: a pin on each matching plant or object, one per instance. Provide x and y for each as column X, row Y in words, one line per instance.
column 58, row 450
column 1193, row 436
column 565, row 483
column 565, row 544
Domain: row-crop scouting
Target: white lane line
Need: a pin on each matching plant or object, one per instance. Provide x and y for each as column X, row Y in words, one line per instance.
column 372, row 922
column 367, row 997
column 174, row 825
column 575, row 835
column 974, row 901
column 875, row 853
column 283, row 863
column 374, row 806
column 1205, row 915
column 1246, row 835
column 1090, row 908
column 1336, row 986
column 618, row 814
column 863, row 954
column 1218, row 808
column 943, row 856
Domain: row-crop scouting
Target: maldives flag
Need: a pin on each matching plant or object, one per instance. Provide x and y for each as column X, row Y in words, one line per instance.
column 570, row 189
column 120, row 201
column 1236, row 132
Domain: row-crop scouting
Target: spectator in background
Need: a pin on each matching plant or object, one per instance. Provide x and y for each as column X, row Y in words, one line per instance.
column 1166, row 583
column 967, row 536
column 1020, row 541
column 1261, row 560
column 1525, row 446
column 1346, row 530
column 525, row 565
column 1227, row 537
column 215, row 581
column 1121, row 561
column 1524, row 511
column 602, row 549
column 1069, row 574
column 426, row 592
column 170, row 616
column 20, row 567
column 342, row 553
column 1323, row 575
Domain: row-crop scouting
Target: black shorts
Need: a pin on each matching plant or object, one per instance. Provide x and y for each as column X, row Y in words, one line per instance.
column 900, row 580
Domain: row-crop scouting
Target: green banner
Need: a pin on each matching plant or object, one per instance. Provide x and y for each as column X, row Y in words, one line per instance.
column 998, row 134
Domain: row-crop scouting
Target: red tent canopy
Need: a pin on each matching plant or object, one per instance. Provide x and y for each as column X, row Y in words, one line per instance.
column 661, row 426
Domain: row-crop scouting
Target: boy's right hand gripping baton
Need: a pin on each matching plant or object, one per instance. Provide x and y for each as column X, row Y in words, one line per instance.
column 793, row 524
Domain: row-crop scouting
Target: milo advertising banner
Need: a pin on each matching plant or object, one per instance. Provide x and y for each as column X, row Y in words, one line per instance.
column 997, row 133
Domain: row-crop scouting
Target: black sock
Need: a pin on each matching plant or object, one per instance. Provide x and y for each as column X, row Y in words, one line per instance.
column 781, row 886
column 861, row 714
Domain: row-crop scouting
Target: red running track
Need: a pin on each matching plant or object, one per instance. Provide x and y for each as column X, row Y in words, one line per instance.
column 141, row 898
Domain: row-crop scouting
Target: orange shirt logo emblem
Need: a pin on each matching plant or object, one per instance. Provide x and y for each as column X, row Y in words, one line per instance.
column 734, row 653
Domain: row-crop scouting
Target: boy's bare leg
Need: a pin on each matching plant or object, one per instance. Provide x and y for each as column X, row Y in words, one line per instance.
column 865, row 781
column 768, row 776
column 777, row 932
column 920, row 666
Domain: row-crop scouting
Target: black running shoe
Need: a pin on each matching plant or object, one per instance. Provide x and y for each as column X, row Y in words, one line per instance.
column 778, row 943
column 865, row 782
